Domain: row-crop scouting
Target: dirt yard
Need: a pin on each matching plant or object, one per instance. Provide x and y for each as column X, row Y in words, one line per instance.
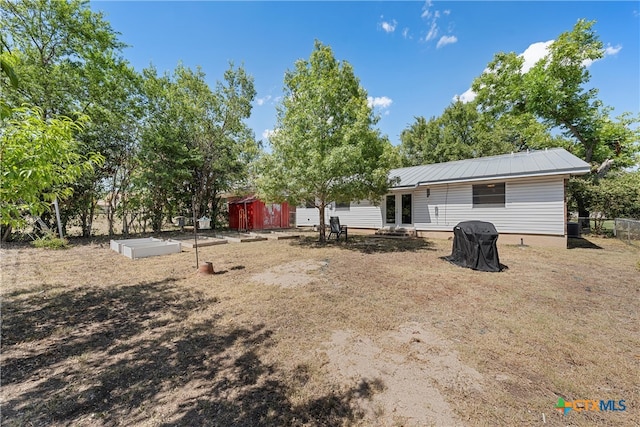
column 373, row 332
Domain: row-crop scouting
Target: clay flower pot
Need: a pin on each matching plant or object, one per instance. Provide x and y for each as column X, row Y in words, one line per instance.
column 206, row 268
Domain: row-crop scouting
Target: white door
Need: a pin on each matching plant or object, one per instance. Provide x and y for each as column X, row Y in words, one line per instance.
column 399, row 210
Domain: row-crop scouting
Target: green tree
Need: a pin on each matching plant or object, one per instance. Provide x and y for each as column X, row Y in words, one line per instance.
column 114, row 91
column 325, row 147
column 555, row 92
column 164, row 161
column 54, row 42
column 39, row 160
column 462, row 132
column 69, row 63
column 419, row 141
column 195, row 144
column 616, row 195
column 223, row 144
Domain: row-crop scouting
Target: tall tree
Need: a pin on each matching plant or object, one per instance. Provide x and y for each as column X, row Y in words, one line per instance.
column 223, row 143
column 555, row 92
column 114, row 94
column 54, row 41
column 164, row 160
column 462, row 132
column 325, row 147
column 195, row 144
column 68, row 60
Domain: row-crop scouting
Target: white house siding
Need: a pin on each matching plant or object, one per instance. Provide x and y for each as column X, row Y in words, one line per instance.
column 532, row 206
column 307, row 217
column 360, row 215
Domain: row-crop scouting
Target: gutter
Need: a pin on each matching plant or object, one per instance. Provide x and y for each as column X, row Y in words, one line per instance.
column 575, row 171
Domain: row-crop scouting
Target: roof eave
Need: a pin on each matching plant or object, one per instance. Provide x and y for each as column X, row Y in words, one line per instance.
column 573, row 171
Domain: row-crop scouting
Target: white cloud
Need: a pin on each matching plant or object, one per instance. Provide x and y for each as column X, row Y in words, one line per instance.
column 531, row 55
column 467, row 96
column 534, row 53
column 611, row 50
column 405, row 33
column 262, row 101
column 425, row 9
column 389, row 27
column 382, row 102
column 432, row 17
column 433, row 32
column 608, row 51
column 268, row 133
column 537, row 51
column 445, row 40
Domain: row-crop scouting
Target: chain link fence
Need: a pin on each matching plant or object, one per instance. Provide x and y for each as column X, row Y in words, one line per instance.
column 627, row 229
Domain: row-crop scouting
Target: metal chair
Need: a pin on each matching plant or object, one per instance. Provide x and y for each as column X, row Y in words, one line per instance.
column 337, row 229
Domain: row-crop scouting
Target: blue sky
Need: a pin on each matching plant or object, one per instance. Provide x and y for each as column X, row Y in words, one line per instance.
column 411, row 57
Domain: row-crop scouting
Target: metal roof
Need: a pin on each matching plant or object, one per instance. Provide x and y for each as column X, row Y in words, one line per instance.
column 554, row 161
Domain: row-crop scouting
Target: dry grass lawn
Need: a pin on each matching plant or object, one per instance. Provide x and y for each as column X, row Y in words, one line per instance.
column 371, row 332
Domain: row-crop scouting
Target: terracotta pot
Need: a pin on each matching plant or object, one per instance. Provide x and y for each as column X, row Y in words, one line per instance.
column 206, row 268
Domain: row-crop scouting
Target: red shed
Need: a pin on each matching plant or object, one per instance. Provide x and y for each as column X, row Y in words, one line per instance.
column 251, row 213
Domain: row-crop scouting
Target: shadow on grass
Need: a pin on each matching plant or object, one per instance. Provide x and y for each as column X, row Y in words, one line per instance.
column 130, row 354
column 368, row 244
column 581, row 242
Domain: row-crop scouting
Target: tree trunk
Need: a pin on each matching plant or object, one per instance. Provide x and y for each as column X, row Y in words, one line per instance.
column 86, row 229
column 583, row 214
column 111, row 207
column 323, row 233
column 215, row 210
column 7, row 234
column 125, row 221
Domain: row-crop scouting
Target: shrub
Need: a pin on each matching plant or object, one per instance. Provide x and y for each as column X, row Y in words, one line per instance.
column 49, row 241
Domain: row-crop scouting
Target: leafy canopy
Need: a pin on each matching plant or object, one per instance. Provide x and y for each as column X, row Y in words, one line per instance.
column 325, row 147
column 555, row 92
column 462, row 132
column 39, row 161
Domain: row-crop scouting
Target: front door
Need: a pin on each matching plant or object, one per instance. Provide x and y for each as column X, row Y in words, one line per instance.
column 390, row 209
column 406, row 209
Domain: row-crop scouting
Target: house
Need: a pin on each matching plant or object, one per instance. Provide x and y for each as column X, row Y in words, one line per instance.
column 522, row 194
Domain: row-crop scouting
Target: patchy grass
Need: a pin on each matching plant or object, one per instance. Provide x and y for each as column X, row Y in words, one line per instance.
column 50, row 241
column 379, row 332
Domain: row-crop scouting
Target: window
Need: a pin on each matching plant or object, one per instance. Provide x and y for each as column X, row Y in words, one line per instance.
column 340, row 205
column 310, row 204
column 391, row 209
column 489, row 195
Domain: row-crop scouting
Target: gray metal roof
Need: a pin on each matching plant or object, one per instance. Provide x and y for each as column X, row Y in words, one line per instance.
column 554, row 161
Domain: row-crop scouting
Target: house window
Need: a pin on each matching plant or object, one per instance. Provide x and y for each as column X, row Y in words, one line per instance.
column 406, row 209
column 391, row 209
column 340, row 205
column 489, row 195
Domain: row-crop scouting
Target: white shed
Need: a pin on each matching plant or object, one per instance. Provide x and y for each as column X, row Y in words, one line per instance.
column 522, row 194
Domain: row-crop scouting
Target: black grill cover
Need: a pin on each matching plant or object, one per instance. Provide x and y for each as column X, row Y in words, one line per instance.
column 474, row 246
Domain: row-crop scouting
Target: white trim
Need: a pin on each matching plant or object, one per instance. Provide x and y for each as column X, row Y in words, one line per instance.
column 491, row 178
